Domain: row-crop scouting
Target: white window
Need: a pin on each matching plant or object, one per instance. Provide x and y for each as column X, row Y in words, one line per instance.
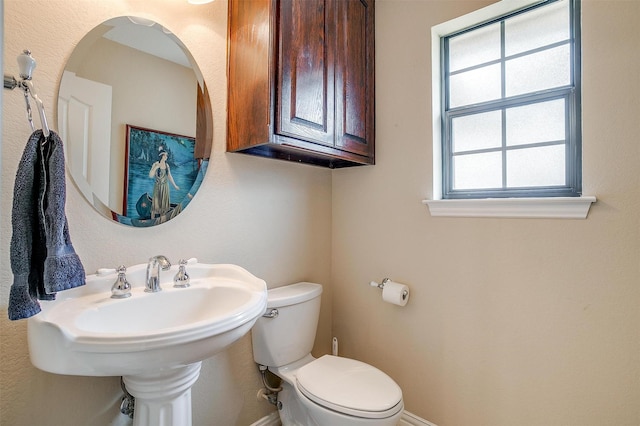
column 507, row 112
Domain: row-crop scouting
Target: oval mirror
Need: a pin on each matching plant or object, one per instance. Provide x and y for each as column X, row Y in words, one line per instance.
column 135, row 118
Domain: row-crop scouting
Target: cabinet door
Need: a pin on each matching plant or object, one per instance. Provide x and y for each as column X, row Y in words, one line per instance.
column 305, row 81
column 354, row 76
column 249, row 115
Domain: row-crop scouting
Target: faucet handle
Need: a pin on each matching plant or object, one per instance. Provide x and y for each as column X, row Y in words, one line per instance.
column 121, row 289
column 181, row 280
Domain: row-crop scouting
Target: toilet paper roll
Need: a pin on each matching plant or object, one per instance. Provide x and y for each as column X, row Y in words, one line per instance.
column 395, row 293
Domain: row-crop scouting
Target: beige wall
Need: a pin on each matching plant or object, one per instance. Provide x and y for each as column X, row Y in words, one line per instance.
column 270, row 217
column 511, row 322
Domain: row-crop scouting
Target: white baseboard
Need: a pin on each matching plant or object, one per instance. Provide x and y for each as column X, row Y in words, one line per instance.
column 407, row 419
column 272, row 419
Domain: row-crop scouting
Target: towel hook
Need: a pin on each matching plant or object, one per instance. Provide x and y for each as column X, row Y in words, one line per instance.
column 27, row 64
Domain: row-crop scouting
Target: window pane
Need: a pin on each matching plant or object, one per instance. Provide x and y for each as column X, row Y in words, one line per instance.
column 477, row 131
column 541, row 166
column 474, row 48
column 477, row 171
column 539, row 71
column 541, row 122
column 478, row 85
column 538, row 28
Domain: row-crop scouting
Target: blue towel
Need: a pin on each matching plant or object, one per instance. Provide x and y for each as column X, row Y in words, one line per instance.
column 43, row 260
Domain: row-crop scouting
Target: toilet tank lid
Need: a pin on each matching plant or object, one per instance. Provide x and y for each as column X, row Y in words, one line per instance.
column 292, row 294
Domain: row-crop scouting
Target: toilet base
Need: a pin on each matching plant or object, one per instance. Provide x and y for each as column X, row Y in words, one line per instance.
column 291, row 412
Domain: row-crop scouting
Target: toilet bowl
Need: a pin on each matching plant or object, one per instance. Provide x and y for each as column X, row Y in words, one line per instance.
column 327, row 391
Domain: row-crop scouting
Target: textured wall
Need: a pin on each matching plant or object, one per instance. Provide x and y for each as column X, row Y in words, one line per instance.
column 511, row 321
column 270, row 217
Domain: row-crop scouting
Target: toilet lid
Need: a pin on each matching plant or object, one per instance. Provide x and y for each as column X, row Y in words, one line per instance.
column 349, row 386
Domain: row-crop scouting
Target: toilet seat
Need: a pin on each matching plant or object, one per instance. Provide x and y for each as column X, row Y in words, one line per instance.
column 350, row 387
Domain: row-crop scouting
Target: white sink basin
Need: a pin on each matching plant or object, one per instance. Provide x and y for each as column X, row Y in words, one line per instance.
column 86, row 332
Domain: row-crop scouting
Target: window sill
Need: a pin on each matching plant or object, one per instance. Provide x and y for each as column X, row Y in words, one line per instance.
column 552, row 207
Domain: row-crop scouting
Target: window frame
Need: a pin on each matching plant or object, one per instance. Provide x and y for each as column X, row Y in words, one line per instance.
column 571, row 93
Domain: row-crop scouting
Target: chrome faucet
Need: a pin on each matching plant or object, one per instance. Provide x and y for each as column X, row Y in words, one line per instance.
column 152, row 283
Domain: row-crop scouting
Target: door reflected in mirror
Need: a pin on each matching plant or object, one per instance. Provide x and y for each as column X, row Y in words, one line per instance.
column 132, row 98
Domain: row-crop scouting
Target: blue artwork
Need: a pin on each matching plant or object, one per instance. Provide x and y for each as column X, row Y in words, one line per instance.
column 160, row 175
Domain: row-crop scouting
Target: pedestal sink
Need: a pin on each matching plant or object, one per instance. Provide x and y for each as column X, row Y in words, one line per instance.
column 156, row 341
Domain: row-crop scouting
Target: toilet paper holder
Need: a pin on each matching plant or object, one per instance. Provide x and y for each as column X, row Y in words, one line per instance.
column 405, row 293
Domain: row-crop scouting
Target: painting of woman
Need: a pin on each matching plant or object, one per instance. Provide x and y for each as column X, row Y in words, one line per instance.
column 161, row 172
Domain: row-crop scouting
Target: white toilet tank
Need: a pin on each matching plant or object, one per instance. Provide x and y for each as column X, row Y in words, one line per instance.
column 290, row 335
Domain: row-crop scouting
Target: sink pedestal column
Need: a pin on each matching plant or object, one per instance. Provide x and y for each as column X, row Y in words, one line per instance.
column 163, row 398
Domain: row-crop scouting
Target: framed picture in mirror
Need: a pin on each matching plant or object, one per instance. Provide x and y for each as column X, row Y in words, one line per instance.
column 160, row 170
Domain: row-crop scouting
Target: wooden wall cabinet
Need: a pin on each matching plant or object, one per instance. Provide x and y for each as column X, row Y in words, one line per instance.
column 301, row 80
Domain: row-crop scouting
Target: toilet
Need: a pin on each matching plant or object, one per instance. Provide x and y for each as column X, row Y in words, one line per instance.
column 327, row 391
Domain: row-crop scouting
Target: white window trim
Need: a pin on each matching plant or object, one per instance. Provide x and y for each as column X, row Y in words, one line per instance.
column 551, row 207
